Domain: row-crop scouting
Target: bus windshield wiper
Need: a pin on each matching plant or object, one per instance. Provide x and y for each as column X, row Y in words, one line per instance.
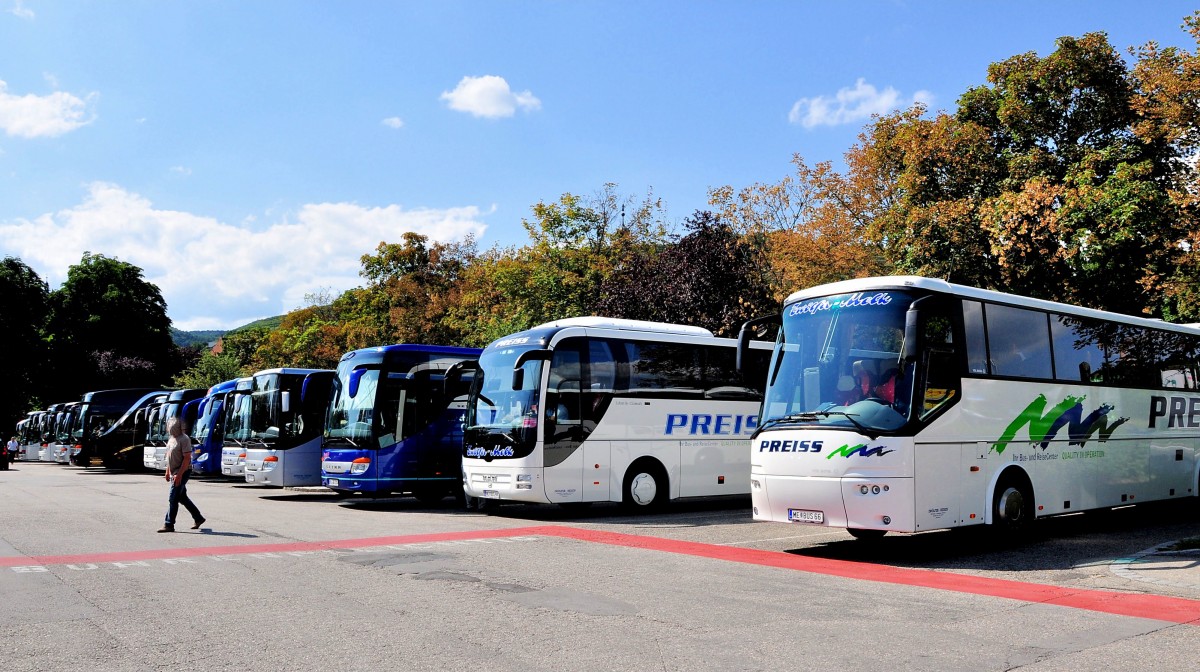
column 810, row 416
column 857, row 425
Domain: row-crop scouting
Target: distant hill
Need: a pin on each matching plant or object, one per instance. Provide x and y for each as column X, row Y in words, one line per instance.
column 188, row 339
column 270, row 323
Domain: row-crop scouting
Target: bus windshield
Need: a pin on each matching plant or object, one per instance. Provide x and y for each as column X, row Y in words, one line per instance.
column 497, row 414
column 206, row 419
column 237, row 426
column 837, row 362
column 352, row 407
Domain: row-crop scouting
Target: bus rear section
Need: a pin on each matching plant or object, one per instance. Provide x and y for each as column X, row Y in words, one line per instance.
column 282, row 431
column 395, row 421
column 604, row 410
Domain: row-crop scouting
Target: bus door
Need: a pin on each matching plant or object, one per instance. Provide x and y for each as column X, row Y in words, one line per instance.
column 562, row 427
column 594, row 399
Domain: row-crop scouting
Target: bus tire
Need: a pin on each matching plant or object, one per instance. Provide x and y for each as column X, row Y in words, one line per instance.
column 865, row 535
column 1012, row 503
column 645, row 487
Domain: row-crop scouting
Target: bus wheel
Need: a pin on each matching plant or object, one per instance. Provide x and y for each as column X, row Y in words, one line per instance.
column 645, row 487
column 865, row 535
column 1012, row 505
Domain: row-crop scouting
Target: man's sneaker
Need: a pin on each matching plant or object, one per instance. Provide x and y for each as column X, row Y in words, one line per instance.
column 198, row 523
column 167, row 528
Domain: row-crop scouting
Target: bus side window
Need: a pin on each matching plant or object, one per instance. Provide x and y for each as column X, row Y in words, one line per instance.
column 941, row 359
column 976, row 337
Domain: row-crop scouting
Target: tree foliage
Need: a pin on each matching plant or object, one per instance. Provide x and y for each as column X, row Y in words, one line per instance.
column 1069, row 177
column 209, row 370
column 24, row 303
column 109, row 328
column 704, row 279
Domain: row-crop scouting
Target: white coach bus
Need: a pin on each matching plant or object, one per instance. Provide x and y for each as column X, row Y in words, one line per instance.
column 908, row 404
column 280, row 423
column 596, row 410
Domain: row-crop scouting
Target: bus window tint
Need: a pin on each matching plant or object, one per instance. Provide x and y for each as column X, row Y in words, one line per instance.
column 1179, row 361
column 663, row 366
column 1019, row 342
column 1077, row 356
column 977, row 360
column 1130, row 356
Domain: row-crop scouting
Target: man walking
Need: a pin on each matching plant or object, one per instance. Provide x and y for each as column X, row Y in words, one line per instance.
column 179, row 467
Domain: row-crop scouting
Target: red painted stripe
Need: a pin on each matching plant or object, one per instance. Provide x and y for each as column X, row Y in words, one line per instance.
column 1156, row 607
column 246, row 549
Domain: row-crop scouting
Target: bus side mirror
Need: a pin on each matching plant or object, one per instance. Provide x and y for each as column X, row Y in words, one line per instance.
column 913, row 343
column 518, row 379
column 745, row 334
column 455, row 374
column 285, row 402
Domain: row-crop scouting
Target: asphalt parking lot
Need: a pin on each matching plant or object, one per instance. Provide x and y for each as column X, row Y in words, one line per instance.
column 301, row 579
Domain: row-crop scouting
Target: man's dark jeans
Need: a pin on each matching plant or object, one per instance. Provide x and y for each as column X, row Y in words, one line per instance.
column 179, row 496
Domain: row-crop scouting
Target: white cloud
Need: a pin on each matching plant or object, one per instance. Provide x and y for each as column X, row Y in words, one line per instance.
column 489, row 96
column 31, row 116
column 217, row 275
column 393, row 122
column 851, row 105
column 20, row 10
column 181, row 170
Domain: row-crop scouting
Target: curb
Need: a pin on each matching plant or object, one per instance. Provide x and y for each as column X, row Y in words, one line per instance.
column 1124, row 567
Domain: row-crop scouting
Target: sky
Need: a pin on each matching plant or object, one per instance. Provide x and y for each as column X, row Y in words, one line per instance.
column 247, row 154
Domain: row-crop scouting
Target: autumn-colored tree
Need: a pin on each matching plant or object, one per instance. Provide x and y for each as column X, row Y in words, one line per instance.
column 808, row 229
column 1166, row 88
column 1065, row 177
column 419, row 283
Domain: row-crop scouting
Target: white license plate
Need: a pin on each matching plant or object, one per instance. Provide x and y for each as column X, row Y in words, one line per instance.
column 333, row 483
column 226, row 470
column 805, row 516
column 491, row 494
column 249, row 478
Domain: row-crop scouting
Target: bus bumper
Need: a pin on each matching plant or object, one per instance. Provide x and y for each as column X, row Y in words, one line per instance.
column 854, row 502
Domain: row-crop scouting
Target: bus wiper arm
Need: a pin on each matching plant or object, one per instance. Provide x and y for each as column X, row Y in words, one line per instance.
column 857, row 425
column 810, row 416
column 807, row 416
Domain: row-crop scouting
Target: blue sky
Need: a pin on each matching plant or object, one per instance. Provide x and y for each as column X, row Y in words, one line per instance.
column 247, row 153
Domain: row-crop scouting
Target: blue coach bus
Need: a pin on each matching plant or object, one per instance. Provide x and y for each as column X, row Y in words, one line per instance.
column 208, row 434
column 395, row 422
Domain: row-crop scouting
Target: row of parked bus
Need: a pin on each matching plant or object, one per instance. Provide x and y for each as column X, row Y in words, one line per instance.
column 428, row 420
column 897, row 403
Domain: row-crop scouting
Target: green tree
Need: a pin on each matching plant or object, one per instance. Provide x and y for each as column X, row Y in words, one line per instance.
column 209, row 370
column 110, row 328
column 576, row 243
column 24, row 305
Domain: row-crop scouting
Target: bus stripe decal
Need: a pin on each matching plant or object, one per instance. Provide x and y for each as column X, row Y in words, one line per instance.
column 1135, row 605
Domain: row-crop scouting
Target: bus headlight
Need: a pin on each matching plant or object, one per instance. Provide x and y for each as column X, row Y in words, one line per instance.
column 360, row 465
column 269, row 463
column 524, row 478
